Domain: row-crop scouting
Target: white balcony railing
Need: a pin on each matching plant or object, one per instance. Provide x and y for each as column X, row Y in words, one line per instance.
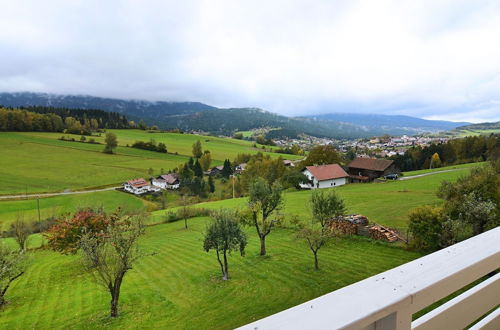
column 388, row 300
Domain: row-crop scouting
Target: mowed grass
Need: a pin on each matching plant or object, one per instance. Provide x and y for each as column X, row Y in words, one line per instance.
column 27, row 209
column 385, row 203
column 34, row 162
column 179, row 285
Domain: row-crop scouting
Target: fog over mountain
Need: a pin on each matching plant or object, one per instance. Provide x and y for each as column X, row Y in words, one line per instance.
column 198, row 116
column 428, row 59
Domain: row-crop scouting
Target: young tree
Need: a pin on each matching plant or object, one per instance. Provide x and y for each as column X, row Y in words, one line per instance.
column 13, row 264
column 321, row 155
column 263, row 200
column 151, row 171
column 111, row 143
column 426, row 227
column 206, row 160
column 185, row 210
column 326, row 206
column 435, row 161
column 142, row 125
column 316, row 238
column 479, row 213
column 224, row 235
column 111, row 254
column 22, row 232
column 197, row 150
column 65, row 235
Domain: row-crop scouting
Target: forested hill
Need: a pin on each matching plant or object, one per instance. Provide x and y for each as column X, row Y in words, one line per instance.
column 189, row 115
column 227, row 121
column 193, row 116
column 134, row 109
column 48, row 119
column 480, row 126
column 397, row 124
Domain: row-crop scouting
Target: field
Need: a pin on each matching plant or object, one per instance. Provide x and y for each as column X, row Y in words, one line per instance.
column 179, row 286
column 385, row 203
column 27, row 210
column 39, row 162
column 475, row 132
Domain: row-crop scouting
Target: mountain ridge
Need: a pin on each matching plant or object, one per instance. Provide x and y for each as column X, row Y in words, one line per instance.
column 193, row 116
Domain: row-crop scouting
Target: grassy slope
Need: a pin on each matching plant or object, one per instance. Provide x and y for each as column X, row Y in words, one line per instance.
column 38, row 162
column 27, row 210
column 179, row 286
column 385, row 203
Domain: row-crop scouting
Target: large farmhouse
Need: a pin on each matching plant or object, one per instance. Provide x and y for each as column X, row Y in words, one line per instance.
column 167, row 181
column 139, row 187
column 368, row 169
column 324, row 176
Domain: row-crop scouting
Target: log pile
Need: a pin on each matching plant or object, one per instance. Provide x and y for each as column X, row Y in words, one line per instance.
column 343, row 227
column 382, row 233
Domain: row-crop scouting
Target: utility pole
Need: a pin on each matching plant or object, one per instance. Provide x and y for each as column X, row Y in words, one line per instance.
column 38, row 207
column 233, row 183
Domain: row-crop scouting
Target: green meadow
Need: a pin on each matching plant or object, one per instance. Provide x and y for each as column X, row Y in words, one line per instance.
column 27, row 209
column 386, row 203
column 178, row 285
column 35, row 162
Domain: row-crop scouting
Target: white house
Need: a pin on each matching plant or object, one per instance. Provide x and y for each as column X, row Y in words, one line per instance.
column 139, row 187
column 325, row 176
column 167, row 181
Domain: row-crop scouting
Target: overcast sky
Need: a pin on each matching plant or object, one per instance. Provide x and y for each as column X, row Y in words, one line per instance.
column 432, row 59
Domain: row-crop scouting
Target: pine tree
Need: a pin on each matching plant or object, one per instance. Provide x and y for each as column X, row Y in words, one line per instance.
column 211, row 184
column 198, row 171
column 227, row 170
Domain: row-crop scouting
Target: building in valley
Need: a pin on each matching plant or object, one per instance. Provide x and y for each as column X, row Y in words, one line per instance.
column 324, row 176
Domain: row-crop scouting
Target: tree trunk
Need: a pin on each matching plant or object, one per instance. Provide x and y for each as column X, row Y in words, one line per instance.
column 262, row 245
column 221, row 265
column 316, row 266
column 225, row 277
column 186, row 223
column 2, row 300
column 115, row 296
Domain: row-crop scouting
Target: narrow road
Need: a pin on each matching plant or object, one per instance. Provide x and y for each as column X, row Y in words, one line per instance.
column 426, row 174
column 31, row 196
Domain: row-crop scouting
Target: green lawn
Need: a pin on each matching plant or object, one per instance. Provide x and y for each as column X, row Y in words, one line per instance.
column 10, row 210
column 39, row 162
column 439, row 169
column 179, row 286
column 476, row 132
column 386, row 203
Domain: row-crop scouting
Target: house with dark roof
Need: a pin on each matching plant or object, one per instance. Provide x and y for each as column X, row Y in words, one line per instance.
column 217, row 170
column 324, row 176
column 368, row 169
column 167, row 181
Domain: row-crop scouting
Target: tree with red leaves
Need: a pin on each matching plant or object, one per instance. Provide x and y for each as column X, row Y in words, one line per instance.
column 66, row 234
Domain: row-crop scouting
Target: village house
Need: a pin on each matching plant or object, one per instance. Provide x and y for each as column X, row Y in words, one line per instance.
column 139, row 187
column 288, row 163
column 167, row 181
column 368, row 169
column 324, row 176
column 216, row 170
column 240, row 168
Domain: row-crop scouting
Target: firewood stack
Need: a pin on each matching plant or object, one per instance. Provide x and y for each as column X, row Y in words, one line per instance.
column 382, row 233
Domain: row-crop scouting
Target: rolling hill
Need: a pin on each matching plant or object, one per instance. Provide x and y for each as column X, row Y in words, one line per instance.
column 194, row 116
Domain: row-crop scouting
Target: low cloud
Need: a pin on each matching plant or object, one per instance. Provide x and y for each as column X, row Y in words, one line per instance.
column 426, row 58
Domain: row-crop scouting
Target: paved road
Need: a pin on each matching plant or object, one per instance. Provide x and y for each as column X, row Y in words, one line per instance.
column 426, row 174
column 56, row 194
